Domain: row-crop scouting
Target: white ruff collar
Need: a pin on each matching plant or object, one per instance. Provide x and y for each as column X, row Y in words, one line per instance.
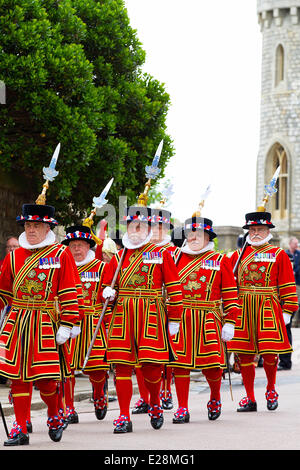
column 209, row 247
column 260, row 242
column 49, row 240
column 89, row 257
column 165, row 241
column 127, row 243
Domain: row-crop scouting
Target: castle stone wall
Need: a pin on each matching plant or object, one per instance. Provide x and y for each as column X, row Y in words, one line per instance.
column 280, row 105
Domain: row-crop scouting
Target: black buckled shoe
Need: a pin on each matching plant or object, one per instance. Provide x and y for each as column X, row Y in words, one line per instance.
column 181, row 416
column 157, row 423
column 140, row 407
column 20, row 439
column 122, row 425
column 100, row 405
column 56, row 428
column 65, row 423
column 56, row 434
column 73, row 418
column 29, row 426
column 272, row 399
column 214, row 409
column 156, row 416
column 17, row 437
column 247, row 405
column 167, row 403
column 100, row 413
column 63, row 418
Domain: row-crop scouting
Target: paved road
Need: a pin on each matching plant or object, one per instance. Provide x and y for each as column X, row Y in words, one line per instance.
column 263, row 430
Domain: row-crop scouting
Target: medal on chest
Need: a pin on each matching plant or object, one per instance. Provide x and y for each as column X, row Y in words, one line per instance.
column 48, row 263
column 152, row 257
column 89, row 276
column 210, row 264
column 264, row 258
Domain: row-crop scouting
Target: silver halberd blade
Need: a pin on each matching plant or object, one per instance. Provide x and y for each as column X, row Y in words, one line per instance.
column 100, row 201
column 49, row 172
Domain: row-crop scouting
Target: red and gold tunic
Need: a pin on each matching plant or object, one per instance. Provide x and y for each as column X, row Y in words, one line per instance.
column 266, row 288
column 139, row 326
column 91, row 275
column 173, row 250
column 33, row 283
column 209, row 292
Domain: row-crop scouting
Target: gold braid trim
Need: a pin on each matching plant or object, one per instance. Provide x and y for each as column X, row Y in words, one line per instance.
column 14, row 395
column 48, row 394
column 152, row 381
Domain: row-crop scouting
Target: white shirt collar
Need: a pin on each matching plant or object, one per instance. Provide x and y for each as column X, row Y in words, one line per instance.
column 127, row 243
column 89, row 257
column 209, row 247
column 260, row 242
column 49, row 240
column 165, row 241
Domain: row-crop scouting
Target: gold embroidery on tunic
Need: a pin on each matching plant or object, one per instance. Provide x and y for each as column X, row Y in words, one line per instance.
column 31, row 286
column 136, row 279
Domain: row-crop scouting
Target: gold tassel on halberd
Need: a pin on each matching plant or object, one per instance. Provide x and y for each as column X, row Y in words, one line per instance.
column 41, row 200
column 89, row 222
column 143, row 197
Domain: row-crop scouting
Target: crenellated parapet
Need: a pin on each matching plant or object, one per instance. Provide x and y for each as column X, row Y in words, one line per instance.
column 278, row 12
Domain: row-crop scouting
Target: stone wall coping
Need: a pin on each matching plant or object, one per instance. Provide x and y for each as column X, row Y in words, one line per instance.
column 266, row 5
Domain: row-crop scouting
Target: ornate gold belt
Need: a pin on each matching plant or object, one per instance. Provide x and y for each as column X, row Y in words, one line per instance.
column 43, row 305
column 202, row 304
column 31, row 304
column 252, row 290
column 138, row 292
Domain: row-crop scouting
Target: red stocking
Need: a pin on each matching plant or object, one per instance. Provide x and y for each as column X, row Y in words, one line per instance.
column 144, row 392
column 48, row 392
column 214, row 378
column 124, row 387
column 97, row 379
column 69, row 392
column 182, row 385
column 270, row 367
column 29, row 410
column 166, row 382
column 21, row 395
column 248, row 373
column 152, row 377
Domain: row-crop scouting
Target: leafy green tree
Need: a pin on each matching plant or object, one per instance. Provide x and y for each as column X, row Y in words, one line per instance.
column 73, row 74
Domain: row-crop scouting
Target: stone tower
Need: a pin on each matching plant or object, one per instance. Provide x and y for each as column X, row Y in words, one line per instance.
column 280, row 112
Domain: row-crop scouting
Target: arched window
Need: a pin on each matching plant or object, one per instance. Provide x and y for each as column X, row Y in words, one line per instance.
column 279, row 202
column 279, row 65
